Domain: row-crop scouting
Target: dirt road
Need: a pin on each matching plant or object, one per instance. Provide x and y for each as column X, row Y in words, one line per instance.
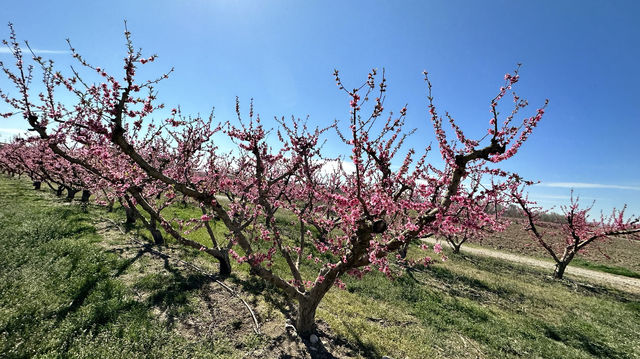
column 627, row 284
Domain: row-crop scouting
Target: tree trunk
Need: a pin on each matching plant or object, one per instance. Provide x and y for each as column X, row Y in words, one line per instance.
column 157, row 236
column 110, row 206
column 306, row 318
column 71, row 193
column 558, row 273
column 455, row 243
column 225, row 265
column 59, row 191
column 131, row 216
column 155, row 232
column 37, row 185
column 85, row 196
column 403, row 250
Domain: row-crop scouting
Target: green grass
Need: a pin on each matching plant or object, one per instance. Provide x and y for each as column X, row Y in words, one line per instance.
column 578, row 262
column 488, row 307
column 62, row 294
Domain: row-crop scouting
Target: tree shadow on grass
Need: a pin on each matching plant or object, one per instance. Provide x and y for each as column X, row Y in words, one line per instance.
column 574, row 338
column 103, row 301
column 170, row 294
column 360, row 347
column 460, row 285
column 269, row 293
column 594, row 290
column 173, row 297
column 89, row 285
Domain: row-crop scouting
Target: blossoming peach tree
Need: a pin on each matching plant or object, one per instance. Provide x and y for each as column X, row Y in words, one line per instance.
column 578, row 231
column 478, row 213
column 300, row 218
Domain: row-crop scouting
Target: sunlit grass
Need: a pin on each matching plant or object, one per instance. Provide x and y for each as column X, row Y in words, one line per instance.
column 61, row 294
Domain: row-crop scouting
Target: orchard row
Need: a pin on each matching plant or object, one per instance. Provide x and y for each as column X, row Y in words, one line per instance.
column 351, row 215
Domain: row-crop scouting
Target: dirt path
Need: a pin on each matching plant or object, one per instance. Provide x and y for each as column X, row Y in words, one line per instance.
column 627, row 284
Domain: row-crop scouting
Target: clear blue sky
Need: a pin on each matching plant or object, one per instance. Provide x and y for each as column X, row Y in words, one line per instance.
column 582, row 55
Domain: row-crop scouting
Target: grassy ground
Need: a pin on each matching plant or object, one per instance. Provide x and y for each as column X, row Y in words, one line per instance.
column 579, row 262
column 62, row 294
column 71, row 286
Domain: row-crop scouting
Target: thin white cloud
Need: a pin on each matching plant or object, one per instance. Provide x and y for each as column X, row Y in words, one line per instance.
column 6, row 50
column 13, row 131
column 333, row 165
column 588, row 185
column 9, row 133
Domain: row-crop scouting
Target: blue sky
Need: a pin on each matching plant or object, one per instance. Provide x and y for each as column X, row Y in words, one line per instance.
column 582, row 55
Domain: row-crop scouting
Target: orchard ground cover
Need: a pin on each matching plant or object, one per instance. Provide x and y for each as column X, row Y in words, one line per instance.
column 74, row 286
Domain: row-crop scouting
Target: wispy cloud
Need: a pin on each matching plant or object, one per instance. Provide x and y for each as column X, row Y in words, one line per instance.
column 333, row 165
column 13, row 131
column 6, row 50
column 588, row 185
column 9, row 133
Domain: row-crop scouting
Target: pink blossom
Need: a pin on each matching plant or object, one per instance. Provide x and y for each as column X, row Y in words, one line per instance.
column 437, row 248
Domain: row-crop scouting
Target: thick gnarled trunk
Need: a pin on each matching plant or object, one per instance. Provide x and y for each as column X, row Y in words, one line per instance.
column 130, row 215
column 71, row 193
column 403, row 250
column 225, row 265
column 455, row 248
column 563, row 263
column 558, row 273
column 110, row 205
column 306, row 317
column 155, row 232
column 157, row 236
